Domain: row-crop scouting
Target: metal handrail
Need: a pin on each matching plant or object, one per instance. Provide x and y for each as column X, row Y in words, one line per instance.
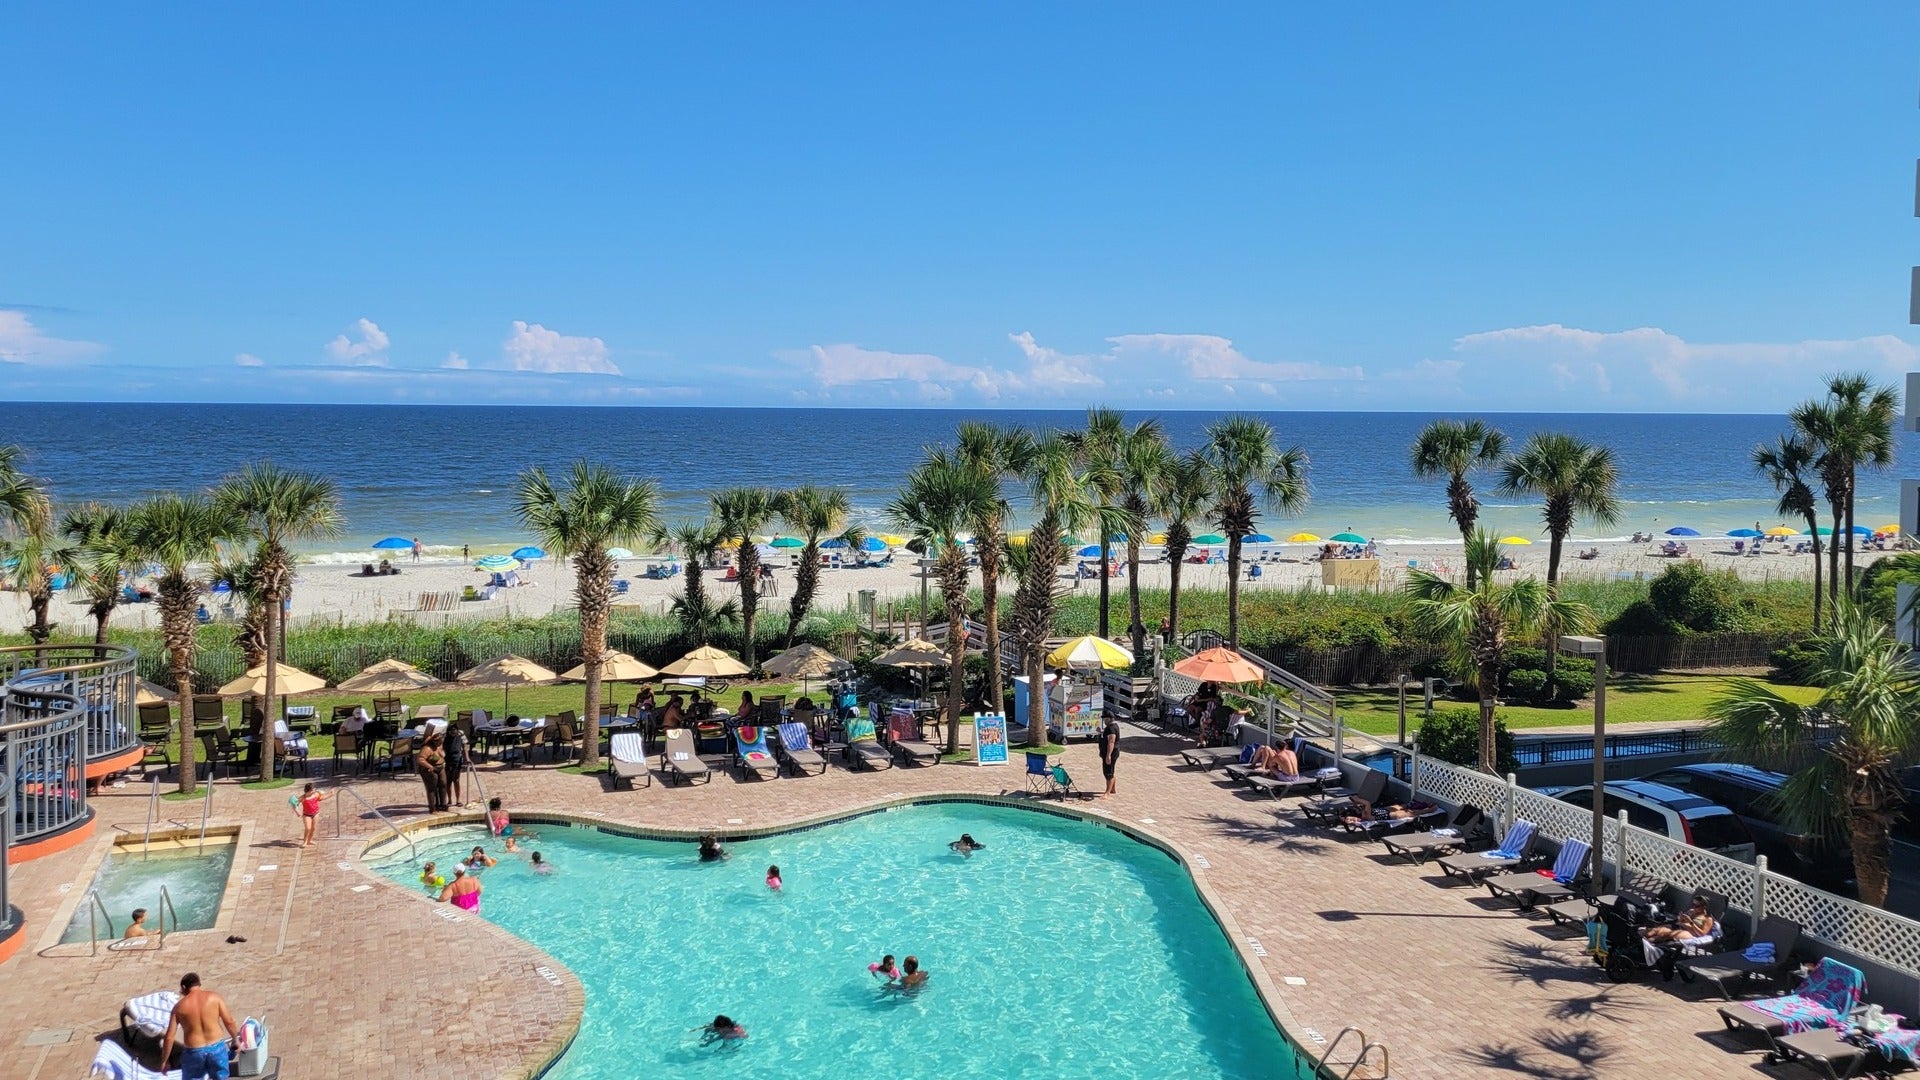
column 165, row 908
column 1367, row 1046
column 1366, row 1052
column 384, row 820
column 153, row 808
column 206, row 811
column 93, row 926
column 481, row 786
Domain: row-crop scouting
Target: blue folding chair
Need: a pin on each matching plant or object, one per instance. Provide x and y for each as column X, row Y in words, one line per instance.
column 1039, row 775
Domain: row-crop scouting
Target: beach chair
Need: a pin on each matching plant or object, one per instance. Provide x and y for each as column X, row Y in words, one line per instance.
column 156, row 722
column 1339, row 804
column 1514, row 853
column 144, row 1019
column 1206, row 758
column 1529, row 889
column 795, row 749
column 288, row 747
column 115, row 1062
column 1039, row 774
column 1641, row 890
column 1830, row 997
column 1381, row 825
column 679, row 759
column 209, row 711
column 1464, row 830
column 1730, row 971
column 750, row 753
column 1061, row 785
column 627, row 752
column 863, row 746
column 905, row 741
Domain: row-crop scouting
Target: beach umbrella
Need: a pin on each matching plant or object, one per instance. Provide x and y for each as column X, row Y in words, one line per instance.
column 1516, row 541
column 1821, row 529
column 788, row 542
column 1887, row 530
column 286, row 680
column 917, row 653
column 1018, row 539
column 706, row 662
column 1090, row 551
column 1209, row 538
column 1221, row 665
column 529, row 552
column 1347, row 538
column 1682, row 530
column 388, row 677
column 394, row 543
column 496, row 562
column 614, row 667
column 1303, row 538
column 806, row 662
column 1089, row 651
column 836, row 542
column 619, row 553
column 1157, row 538
column 1782, row 530
column 1259, row 538
column 872, row 543
column 1744, row 534
column 893, row 539
column 1071, row 541
column 146, row 693
column 506, row 672
column 1861, row 530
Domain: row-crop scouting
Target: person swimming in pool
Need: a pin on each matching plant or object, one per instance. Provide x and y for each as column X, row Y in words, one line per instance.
column 540, row 865
column 967, row 845
column 463, row 891
column 502, row 825
column 911, row 977
column 480, row 860
column 723, row 1029
column 773, row 878
column 885, row 969
column 432, row 878
column 710, row 849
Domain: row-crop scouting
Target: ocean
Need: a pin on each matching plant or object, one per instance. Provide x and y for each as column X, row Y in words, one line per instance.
column 446, row 473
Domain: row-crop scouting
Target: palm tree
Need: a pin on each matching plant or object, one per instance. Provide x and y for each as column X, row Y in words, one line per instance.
column 817, row 514
column 1853, row 427
column 1250, row 471
column 40, row 557
column 1573, row 478
column 1143, row 457
column 996, row 454
column 280, row 507
column 1106, row 449
column 1453, row 449
column 1477, row 625
column 1184, row 497
column 178, row 533
column 741, row 512
column 23, row 499
column 245, row 574
column 106, row 552
column 937, row 501
column 1817, row 422
column 1838, row 784
column 699, row 616
column 596, row 510
column 1787, row 464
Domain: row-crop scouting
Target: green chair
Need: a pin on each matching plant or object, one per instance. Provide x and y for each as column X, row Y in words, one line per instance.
column 1062, row 783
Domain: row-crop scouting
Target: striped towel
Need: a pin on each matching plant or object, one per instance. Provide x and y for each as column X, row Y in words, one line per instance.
column 1515, row 842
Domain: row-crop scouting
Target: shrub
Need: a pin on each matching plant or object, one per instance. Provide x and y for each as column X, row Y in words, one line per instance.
column 1639, row 618
column 1795, row 663
column 1693, row 599
column 1571, row 683
column 1524, row 684
column 1453, row 735
column 1880, row 583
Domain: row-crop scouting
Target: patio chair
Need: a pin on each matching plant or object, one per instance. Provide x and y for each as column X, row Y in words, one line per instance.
column 1206, row 758
column 1383, row 823
column 144, row 1019
column 217, row 748
column 1723, row 969
column 750, row 753
column 1467, row 828
column 905, row 741
column 863, row 747
column 1527, row 890
column 1830, row 997
column 1641, row 890
column 399, row 755
column 156, row 722
column 1514, row 853
column 1039, row 774
column 1839, row 1055
column 1329, row 811
column 627, row 754
column 289, row 748
column 341, row 714
column 1062, row 784
column 346, row 746
column 681, row 759
column 795, row 749
column 209, row 711
column 567, row 736
column 386, row 708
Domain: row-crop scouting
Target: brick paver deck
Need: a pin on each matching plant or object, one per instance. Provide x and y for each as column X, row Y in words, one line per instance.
column 375, row 983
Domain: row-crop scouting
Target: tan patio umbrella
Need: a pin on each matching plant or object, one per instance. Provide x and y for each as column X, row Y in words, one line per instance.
column 146, row 693
column 615, row 667
column 287, row 680
column 506, row 673
column 919, row 653
column 706, row 662
column 806, row 662
column 388, row 677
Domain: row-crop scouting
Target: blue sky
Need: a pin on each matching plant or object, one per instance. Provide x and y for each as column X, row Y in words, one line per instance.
column 1695, row 207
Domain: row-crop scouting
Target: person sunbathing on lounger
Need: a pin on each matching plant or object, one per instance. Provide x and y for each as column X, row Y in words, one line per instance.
column 1694, row 926
column 1364, row 811
column 1275, row 761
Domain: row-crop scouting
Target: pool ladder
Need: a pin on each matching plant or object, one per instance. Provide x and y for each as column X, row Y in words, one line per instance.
column 1358, row 1068
column 384, row 820
column 94, row 903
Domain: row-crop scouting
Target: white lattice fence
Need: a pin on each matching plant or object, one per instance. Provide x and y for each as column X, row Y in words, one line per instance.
column 1175, row 686
column 1691, row 867
column 1564, row 821
column 1856, row 927
column 1456, row 786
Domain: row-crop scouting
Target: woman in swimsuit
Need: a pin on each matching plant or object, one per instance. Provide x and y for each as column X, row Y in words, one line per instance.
column 431, row 763
column 309, row 807
column 710, row 849
column 501, row 824
column 480, row 859
column 463, row 891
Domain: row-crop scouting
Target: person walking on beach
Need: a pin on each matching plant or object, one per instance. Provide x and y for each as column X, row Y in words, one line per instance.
column 1109, row 751
column 416, row 549
column 465, row 553
column 205, row 1026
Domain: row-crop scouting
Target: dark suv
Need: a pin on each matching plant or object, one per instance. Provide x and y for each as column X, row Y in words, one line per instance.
column 1748, row 792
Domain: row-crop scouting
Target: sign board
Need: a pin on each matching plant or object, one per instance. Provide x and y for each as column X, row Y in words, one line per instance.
column 990, row 739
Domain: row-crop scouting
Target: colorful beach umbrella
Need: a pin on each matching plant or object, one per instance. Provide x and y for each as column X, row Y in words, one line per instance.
column 1209, row 538
column 393, row 543
column 1347, row 538
column 1259, row 538
column 619, row 553
column 1303, row 538
column 1861, row 530
column 496, row 562
column 893, row 540
column 1821, row 529
column 1220, row 665
column 1887, row 530
column 872, row 543
column 1682, row 530
column 529, row 552
column 1744, row 534
column 788, row 542
column 836, row 543
column 1089, row 652
column 1090, row 551
column 1782, row 530
column 1516, row 541
column 1157, row 538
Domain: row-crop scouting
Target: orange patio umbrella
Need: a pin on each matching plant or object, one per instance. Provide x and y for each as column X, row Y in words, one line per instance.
column 1220, row 665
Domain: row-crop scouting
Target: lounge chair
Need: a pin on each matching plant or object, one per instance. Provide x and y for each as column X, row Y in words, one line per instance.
column 750, row 753
column 1830, row 998
column 1529, row 889
column 1838, row 1055
column 115, row 1062
column 1730, row 967
column 628, row 751
column 1207, row 757
column 906, row 741
column 1421, row 815
column 1062, row 783
column 679, row 757
column 795, row 749
column 1329, row 811
column 863, row 748
column 1514, row 853
column 1465, row 829
column 1642, row 890
column 144, row 1020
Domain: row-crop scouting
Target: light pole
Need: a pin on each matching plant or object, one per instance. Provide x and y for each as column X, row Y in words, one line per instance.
column 1596, row 648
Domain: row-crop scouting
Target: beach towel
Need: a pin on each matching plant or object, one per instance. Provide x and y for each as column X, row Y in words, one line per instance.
column 149, row 1014
column 113, row 1062
column 753, row 747
column 1898, row 1044
column 793, row 736
column 1514, row 843
column 1572, row 858
column 1760, row 952
column 1827, row 999
column 1246, row 753
column 861, row 730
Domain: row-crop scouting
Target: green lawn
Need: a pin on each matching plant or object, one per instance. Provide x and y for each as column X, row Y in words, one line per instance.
column 1630, row 699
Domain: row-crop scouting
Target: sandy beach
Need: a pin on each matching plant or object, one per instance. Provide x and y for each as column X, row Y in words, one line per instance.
column 430, row 590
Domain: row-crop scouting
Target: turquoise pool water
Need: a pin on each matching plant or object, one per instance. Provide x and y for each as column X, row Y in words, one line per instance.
column 1064, row 950
column 195, row 883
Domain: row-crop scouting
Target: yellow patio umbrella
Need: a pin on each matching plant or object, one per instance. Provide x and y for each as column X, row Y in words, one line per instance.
column 286, row 680
column 1782, row 530
column 614, row 667
column 1303, row 538
column 1089, row 651
column 1516, row 541
column 893, row 540
column 506, row 672
column 706, row 662
column 389, row 676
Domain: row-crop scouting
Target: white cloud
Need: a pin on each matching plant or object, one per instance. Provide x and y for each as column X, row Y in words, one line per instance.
column 845, row 365
column 363, row 345
column 1051, row 368
column 247, row 359
column 1207, row 356
column 21, row 342
column 532, row 347
column 455, row 362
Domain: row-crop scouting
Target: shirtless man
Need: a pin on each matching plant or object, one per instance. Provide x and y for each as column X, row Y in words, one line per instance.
column 205, row 1025
column 138, row 927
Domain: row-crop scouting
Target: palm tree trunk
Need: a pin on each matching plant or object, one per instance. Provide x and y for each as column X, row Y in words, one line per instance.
column 100, row 626
column 177, row 628
column 1489, row 691
column 1847, row 589
column 1460, row 505
column 990, row 611
column 805, row 582
column 749, row 563
column 1106, row 560
column 1037, row 693
column 1813, row 526
column 1833, row 556
column 1135, row 627
column 1554, row 541
column 593, row 642
column 265, row 734
column 1871, row 855
column 953, row 587
column 1174, row 559
column 1233, row 590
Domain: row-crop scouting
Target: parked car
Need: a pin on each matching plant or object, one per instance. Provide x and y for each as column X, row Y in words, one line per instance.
column 1748, row 792
column 1675, row 814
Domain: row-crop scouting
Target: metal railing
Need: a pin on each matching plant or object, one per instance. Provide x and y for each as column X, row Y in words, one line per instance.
column 412, row 851
column 94, row 903
column 42, row 748
column 164, row 910
column 1555, row 751
column 6, row 839
column 101, row 677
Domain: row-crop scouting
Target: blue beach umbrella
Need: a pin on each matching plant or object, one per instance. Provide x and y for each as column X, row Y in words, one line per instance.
column 1822, row 530
column 394, row 543
column 496, row 562
column 1745, row 534
column 1682, row 530
column 836, row 542
column 1861, row 530
column 1259, row 538
column 529, row 552
column 1090, row 551
column 872, row 543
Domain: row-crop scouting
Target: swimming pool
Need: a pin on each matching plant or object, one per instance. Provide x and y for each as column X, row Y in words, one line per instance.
column 1064, row 949
column 195, row 883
